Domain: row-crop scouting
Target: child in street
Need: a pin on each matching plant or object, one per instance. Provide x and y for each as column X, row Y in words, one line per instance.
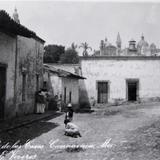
column 72, row 130
column 69, row 114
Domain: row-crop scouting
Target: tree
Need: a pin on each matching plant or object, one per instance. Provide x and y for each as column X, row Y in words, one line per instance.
column 53, row 53
column 85, row 47
column 74, row 46
column 70, row 56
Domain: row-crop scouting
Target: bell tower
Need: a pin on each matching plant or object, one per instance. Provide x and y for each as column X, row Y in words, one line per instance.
column 16, row 16
column 118, row 41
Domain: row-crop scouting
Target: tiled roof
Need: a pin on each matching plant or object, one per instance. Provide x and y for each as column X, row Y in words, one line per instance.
column 62, row 73
column 8, row 25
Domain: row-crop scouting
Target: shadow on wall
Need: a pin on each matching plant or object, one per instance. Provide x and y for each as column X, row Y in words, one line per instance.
column 10, row 109
column 25, row 108
column 84, row 102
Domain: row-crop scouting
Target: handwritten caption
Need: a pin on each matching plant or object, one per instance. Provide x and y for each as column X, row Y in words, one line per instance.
column 53, row 144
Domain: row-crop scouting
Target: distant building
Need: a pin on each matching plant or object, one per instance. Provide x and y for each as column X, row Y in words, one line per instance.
column 141, row 49
column 119, row 41
column 107, row 48
column 153, row 49
column 131, row 50
column 21, row 63
column 142, row 44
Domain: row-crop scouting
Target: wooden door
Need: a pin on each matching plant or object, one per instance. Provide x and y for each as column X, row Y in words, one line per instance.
column 102, row 92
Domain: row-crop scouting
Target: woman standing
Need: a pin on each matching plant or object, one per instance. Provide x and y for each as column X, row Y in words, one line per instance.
column 40, row 102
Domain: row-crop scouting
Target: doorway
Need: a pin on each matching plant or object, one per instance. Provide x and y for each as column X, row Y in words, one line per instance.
column 65, row 94
column 132, row 89
column 102, row 92
column 2, row 90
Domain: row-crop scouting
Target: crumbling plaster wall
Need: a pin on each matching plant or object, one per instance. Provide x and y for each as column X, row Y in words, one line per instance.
column 17, row 54
column 30, row 63
column 7, row 54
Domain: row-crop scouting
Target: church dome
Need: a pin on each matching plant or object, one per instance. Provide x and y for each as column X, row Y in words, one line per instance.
column 142, row 43
column 111, row 46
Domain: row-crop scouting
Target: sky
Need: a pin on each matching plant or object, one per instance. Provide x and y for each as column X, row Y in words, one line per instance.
column 64, row 22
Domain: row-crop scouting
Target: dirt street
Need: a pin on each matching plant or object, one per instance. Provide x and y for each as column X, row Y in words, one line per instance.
column 116, row 133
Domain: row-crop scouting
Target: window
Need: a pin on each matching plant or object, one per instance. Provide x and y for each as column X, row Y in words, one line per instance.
column 23, row 87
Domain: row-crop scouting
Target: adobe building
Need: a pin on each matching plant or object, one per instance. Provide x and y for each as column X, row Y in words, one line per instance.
column 62, row 83
column 126, row 78
column 21, row 66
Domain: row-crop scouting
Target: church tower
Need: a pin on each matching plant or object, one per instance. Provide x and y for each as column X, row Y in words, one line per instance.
column 102, row 47
column 16, row 16
column 118, row 41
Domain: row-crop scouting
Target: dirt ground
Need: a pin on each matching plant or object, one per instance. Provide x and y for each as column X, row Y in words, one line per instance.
column 129, row 132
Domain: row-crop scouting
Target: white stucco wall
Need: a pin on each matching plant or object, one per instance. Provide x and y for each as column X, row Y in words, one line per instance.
column 72, row 85
column 116, row 71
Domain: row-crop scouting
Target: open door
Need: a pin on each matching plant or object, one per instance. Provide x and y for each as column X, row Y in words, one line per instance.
column 132, row 90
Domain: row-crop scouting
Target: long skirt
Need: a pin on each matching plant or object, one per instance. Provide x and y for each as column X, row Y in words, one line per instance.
column 40, row 108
